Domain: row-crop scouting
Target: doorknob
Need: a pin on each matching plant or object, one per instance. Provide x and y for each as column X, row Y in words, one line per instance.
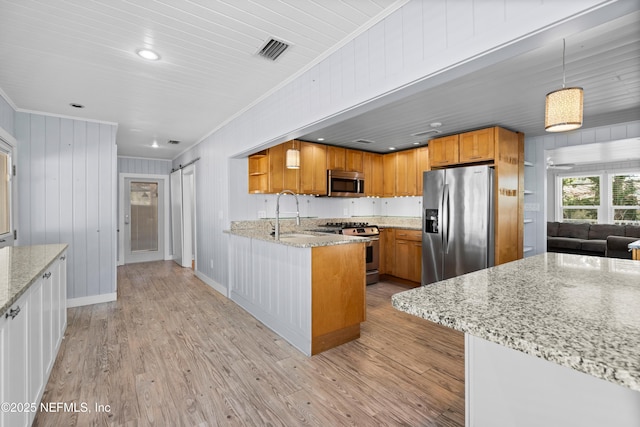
column 126, row 219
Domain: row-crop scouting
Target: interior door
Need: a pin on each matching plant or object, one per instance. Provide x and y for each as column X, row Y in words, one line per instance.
column 143, row 220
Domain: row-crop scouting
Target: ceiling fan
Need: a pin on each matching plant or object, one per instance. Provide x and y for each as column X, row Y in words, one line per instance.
column 563, row 166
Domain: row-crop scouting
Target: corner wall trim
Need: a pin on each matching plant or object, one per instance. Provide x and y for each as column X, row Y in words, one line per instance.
column 94, row 299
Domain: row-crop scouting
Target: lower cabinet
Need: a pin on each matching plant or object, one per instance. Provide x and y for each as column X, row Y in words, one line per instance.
column 30, row 334
column 401, row 253
column 408, row 248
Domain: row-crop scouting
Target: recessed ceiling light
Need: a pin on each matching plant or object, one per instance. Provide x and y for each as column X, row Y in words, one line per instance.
column 435, row 124
column 155, row 144
column 320, row 139
column 392, row 148
column 76, row 105
column 148, row 54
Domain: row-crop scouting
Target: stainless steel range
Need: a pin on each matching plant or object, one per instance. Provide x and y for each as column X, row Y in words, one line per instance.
column 363, row 229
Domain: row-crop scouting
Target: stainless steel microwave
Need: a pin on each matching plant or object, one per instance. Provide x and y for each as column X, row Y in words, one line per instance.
column 345, row 183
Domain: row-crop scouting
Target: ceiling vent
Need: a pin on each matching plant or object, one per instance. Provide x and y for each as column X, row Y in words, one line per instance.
column 174, row 142
column 427, row 132
column 272, row 49
column 364, row 141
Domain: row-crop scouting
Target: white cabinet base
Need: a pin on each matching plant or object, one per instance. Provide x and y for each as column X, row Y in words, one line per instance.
column 505, row 387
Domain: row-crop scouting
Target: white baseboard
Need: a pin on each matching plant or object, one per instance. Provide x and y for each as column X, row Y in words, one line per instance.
column 94, row 299
column 215, row 285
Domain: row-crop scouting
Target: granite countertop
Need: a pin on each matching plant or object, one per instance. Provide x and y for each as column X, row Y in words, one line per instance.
column 581, row 312
column 300, row 238
column 20, row 267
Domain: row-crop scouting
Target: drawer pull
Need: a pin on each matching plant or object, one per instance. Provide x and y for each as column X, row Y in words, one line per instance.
column 46, row 275
column 12, row 312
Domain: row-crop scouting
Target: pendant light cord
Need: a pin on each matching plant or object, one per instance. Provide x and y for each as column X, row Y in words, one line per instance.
column 564, row 47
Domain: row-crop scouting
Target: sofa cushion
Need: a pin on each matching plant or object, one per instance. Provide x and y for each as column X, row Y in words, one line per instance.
column 594, row 245
column 578, row 231
column 632, row 231
column 552, row 229
column 602, row 231
column 618, row 246
column 564, row 243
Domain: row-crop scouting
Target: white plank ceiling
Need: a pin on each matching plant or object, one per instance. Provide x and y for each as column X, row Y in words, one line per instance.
column 54, row 53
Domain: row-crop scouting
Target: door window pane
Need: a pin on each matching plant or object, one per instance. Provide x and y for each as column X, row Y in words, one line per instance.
column 144, row 216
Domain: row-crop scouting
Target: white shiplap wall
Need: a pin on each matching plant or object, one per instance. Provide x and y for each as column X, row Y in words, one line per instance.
column 144, row 166
column 7, row 115
column 536, row 176
column 67, row 192
column 419, row 43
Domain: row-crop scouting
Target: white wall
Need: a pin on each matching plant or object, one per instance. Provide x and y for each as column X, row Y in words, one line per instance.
column 536, row 176
column 419, row 46
column 67, row 194
column 143, row 166
column 7, row 115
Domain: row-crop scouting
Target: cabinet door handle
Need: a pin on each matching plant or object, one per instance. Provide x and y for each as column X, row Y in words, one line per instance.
column 63, row 257
column 46, row 275
column 13, row 313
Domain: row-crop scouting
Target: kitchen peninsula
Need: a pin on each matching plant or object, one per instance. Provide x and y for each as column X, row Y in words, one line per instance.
column 553, row 339
column 308, row 287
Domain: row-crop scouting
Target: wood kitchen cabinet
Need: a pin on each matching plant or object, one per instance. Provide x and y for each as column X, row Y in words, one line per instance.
column 313, row 168
column 354, row 160
column 444, row 151
column 259, row 172
column 281, row 178
column 408, row 254
column 339, row 158
column 406, row 176
column 422, row 155
column 373, row 174
column 387, row 251
column 477, row 146
column 389, row 173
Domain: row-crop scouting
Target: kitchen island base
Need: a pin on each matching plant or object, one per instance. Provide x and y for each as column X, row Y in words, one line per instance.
column 313, row 297
column 506, row 387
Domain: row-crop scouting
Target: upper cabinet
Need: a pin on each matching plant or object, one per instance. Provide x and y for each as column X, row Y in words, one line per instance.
column 259, row 172
column 281, row 178
column 313, row 168
column 477, row 146
column 345, row 159
column 373, row 174
column 406, row 176
column 422, row 155
column 444, row 151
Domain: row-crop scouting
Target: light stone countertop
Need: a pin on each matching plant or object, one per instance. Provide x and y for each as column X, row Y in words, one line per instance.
column 295, row 238
column 581, row 312
column 20, row 267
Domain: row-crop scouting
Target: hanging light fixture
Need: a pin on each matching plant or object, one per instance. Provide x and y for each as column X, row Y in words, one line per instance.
column 563, row 111
column 293, row 156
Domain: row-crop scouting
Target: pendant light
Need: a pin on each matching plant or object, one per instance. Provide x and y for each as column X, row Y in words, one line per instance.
column 563, row 111
column 293, row 156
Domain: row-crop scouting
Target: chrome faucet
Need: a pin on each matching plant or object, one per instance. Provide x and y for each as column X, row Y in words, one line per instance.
column 277, row 230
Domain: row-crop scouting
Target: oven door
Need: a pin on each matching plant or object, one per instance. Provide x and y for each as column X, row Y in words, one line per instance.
column 373, row 260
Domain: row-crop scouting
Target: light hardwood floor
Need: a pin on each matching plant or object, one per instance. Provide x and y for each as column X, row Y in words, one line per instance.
column 172, row 351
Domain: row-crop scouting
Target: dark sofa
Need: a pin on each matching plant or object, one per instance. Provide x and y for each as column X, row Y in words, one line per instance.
column 591, row 239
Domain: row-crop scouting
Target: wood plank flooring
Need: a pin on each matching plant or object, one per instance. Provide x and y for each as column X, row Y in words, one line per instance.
column 172, row 351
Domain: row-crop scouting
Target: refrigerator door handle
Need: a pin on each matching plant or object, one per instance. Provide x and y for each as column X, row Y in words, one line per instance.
column 445, row 218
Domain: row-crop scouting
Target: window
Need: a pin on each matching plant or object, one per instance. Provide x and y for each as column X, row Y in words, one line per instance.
column 625, row 198
column 580, row 199
column 6, row 236
column 602, row 197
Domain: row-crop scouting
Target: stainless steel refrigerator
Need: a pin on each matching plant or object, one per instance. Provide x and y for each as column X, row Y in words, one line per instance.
column 457, row 226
